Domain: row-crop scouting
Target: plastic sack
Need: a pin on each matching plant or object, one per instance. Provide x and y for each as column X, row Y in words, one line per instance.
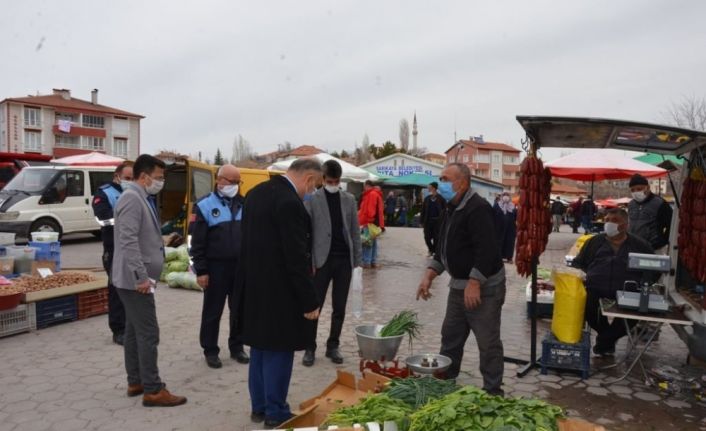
column 374, row 230
column 569, row 305
column 184, row 280
column 356, row 289
column 170, row 254
column 176, row 266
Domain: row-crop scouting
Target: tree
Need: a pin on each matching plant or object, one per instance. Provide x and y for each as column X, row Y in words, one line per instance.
column 335, row 154
column 344, row 154
column 384, row 150
column 365, row 148
column 689, row 113
column 218, row 159
column 241, row 150
column 404, row 134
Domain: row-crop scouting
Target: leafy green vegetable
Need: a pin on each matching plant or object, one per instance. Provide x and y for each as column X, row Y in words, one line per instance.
column 373, row 408
column 404, row 322
column 470, row 408
column 416, row 392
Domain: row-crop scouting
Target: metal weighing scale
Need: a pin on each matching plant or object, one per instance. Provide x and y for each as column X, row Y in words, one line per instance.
column 640, row 298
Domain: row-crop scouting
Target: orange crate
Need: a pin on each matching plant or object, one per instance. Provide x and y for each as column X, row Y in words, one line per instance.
column 92, row 303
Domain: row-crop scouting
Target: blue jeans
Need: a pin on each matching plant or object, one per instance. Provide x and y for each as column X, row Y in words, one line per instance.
column 587, row 224
column 370, row 253
column 268, row 381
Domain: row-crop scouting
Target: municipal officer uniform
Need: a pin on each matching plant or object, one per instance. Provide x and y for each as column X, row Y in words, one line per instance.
column 104, row 202
column 215, row 251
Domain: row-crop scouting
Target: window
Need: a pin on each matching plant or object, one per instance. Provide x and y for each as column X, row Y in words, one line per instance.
column 74, row 183
column 33, row 141
column 510, row 160
column 482, row 158
column 496, row 173
column 33, row 117
column 496, row 158
column 92, row 143
column 99, row 178
column 120, row 147
column 201, row 183
column 121, row 126
column 465, row 158
column 93, row 121
column 66, row 141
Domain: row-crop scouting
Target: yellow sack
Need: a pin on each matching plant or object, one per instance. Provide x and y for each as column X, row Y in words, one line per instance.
column 374, row 230
column 569, row 304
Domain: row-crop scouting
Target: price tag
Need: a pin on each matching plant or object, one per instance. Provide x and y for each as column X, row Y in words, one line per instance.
column 44, row 272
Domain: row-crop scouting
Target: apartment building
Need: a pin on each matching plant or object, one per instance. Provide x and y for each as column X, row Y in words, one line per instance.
column 59, row 125
column 491, row 160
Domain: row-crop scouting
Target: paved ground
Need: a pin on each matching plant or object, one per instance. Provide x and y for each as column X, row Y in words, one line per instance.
column 71, row 377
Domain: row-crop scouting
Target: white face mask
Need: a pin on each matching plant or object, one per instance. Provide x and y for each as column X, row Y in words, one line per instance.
column 506, row 198
column 332, row 189
column 155, row 187
column 611, row 229
column 229, row 191
column 639, row 196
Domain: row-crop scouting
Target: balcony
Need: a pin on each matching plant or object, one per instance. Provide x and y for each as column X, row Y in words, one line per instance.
column 30, row 123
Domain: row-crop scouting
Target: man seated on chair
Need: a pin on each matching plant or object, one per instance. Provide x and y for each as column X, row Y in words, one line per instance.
column 604, row 259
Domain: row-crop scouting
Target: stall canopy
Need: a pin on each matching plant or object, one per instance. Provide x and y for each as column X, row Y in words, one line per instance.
column 601, row 165
column 350, row 172
column 90, row 159
column 416, row 179
column 658, row 159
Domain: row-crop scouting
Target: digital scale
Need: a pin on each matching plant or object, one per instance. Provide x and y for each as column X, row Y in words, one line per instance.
column 640, row 298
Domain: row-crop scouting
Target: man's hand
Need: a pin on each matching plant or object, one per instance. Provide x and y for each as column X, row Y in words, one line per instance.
column 202, row 281
column 144, row 287
column 312, row 315
column 471, row 294
column 423, row 291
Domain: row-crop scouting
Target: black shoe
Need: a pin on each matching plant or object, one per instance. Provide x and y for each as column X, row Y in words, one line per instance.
column 119, row 338
column 257, row 417
column 604, row 351
column 335, row 356
column 274, row 423
column 309, row 358
column 213, row 361
column 241, row 357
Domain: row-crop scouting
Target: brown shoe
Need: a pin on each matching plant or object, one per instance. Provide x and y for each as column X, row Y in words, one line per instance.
column 135, row 390
column 162, row 399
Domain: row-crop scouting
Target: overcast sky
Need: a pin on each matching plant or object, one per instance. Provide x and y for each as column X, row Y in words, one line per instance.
column 325, row 73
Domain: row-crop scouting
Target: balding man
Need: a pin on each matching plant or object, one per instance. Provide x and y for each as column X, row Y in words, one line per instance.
column 468, row 249
column 215, row 251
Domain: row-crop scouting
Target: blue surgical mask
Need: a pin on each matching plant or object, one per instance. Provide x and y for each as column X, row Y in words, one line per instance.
column 446, row 190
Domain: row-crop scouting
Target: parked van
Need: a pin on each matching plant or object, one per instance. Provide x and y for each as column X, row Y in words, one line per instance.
column 54, row 198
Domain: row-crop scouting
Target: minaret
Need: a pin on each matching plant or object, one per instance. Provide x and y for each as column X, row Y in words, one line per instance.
column 414, row 134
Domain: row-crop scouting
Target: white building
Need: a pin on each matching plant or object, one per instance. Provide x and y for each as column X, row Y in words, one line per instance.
column 399, row 164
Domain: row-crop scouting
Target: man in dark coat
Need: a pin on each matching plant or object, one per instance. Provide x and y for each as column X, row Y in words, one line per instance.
column 650, row 215
column 432, row 209
column 279, row 300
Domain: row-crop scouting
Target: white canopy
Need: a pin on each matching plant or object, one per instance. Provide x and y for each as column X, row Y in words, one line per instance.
column 350, row 172
column 90, row 159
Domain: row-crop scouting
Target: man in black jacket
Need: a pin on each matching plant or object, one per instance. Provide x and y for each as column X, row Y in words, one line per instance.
column 468, row 250
column 432, row 209
column 604, row 259
column 279, row 300
column 104, row 202
column 215, row 250
column 650, row 215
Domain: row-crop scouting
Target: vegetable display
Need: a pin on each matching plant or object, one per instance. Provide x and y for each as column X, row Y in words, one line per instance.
column 404, row 322
column 8, row 290
column 533, row 215
column 184, row 280
column 471, row 408
column 417, row 392
column 35, row 283
column 373, row 408
column 692, row 223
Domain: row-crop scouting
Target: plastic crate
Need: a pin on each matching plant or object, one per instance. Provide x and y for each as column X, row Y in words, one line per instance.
column 46, row 247
column 543, row 310
column 55, row 310
column 18, row 320
column 569, row 357
column 92, row 303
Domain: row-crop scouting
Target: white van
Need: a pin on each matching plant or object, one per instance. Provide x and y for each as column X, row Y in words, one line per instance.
column 53, row 198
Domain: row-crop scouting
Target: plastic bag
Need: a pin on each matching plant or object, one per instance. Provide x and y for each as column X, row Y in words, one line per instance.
column 170, row 254
column 184, row 280
column 374, row 230
column 356, row 289
column 176, row 266
column 569, row 305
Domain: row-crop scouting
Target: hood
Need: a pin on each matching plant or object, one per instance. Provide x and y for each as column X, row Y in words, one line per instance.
column 375, row 190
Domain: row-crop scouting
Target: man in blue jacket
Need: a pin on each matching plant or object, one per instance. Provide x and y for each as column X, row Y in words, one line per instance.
column 215, row 251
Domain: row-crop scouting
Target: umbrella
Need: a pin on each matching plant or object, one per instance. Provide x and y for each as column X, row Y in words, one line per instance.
column 350, row 172
column 656, row 159
column 601, row 165
column 90, row 159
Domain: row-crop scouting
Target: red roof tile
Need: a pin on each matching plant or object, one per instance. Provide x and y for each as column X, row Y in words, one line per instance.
column 305, row 150
column 57, row 101
column 494, row 146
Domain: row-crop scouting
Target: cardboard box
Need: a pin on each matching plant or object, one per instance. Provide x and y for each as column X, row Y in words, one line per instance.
column 101, row 280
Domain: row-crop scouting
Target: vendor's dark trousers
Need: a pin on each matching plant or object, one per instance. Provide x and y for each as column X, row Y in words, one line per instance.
column 575, row 223
column 484, row 321
column 141, row 340
column 268, row 382
column 116, row 311
column 336, row 269
column 608, row 333
column 221, row 288
column 431, row 229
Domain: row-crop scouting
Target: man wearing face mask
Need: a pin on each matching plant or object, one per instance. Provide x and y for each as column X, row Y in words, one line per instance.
column 215, row 251
column 432, row 208
column 604, row 259
column 650, row 215
column 336, row 251
column 468, row 249
column 103, row 204
column 279, row 303
column 138, row 260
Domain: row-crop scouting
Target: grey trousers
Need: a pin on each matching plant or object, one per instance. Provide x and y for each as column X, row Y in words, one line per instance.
column 141, row 340
column 484, row 321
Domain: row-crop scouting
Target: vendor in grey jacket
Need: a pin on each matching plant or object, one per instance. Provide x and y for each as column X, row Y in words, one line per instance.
column 337, row 250
column 468, row 250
